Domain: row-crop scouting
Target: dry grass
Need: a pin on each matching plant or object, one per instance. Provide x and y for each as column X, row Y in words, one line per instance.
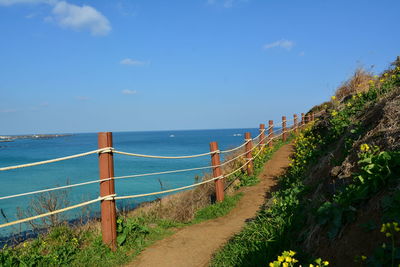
column 359, row 82
column 182, row 206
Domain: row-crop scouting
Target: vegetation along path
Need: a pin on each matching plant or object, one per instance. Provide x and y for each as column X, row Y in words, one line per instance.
column 194, row 245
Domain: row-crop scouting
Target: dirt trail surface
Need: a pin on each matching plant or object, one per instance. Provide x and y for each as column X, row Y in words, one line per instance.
column 194, row 245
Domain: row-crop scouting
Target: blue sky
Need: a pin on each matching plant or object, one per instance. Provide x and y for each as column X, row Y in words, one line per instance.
column 87, row 66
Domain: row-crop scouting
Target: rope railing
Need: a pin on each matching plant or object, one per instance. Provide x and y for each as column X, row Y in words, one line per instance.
column 161, row 157
column 56, row 211
column 53, row 160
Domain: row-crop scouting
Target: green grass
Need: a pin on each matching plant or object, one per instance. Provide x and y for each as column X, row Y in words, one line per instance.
column 218, row 209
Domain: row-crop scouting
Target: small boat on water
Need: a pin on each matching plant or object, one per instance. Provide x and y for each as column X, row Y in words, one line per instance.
column 6, row 140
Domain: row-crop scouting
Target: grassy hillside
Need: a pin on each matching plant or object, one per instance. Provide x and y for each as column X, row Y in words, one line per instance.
column 339, row 202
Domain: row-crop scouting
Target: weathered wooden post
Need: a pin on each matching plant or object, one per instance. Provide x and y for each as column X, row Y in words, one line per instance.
column 313, row 116
column 249, row 156
column 303, row 120
column 284, row 134
column 270, row 132
column 217, row 172
column 108, row 212
column 295, row 123
column 262, row 134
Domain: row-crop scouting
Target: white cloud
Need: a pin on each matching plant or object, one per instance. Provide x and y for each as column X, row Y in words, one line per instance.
column 71, row 16
column 128, row 92
column 286, row 44
column 81, row 18
column 130, row 61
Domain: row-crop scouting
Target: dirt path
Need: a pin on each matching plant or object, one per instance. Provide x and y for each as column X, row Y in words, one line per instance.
column 194, row 245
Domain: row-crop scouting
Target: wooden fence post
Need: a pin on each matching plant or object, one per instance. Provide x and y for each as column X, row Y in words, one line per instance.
column 284, row 136
column 295, row 123
column 313, row 116
column 270, row 132
column 249, row 156
column 216, row 162
column 108, row 212
column 262, row 134
column 303, row 119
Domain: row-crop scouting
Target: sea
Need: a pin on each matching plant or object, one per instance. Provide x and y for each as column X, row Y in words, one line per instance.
column 164, row 143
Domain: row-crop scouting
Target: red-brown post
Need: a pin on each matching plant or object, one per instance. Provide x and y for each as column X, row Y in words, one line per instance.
column 303, row 120
column 270, row 132
column 284, row 134
column 249, row 156
column 313, row 116
column 262, row 134
column 295, row 123
column 217, row 172
column 108, row 212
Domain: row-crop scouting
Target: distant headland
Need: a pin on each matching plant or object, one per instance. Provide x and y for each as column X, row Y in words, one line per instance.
column 11, row 138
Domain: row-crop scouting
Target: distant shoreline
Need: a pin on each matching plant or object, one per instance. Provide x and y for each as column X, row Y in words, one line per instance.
column 11, row 138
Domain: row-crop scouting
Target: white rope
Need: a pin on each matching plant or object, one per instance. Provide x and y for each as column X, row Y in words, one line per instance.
column 57, row 211
column 170, row 190
column 233, row 149
column 54, row 188
column 161, row 157
column 165, row 172
column 53, row 160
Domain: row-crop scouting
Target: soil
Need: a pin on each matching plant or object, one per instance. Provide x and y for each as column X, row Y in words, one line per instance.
column 195, row 245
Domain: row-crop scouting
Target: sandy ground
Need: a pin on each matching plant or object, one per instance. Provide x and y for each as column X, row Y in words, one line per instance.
column 194, row 245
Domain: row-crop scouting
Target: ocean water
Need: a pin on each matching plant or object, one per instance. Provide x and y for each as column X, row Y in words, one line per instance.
column 167, row 143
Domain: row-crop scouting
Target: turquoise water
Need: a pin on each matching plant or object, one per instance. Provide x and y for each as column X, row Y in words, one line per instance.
column 168, row 143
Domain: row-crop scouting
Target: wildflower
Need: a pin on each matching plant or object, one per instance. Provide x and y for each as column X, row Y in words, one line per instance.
column 363, row 257
column 376, row 76
column 25, row 244
column 359, row 94
column 388, row 234
column 371, row 81
column 393, row 76
column 292, row 253
column 271, row 264
column 325, row 263
column 281, row 258
column 334, row 113
column 364, row 147
column 397, row 68
column 382, row 80
column 348, row 104
column 385, row 74
column 333, row 97
column 285, row 264
column 311, row 265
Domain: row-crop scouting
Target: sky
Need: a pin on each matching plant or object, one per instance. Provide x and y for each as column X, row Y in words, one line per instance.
column 89, row 66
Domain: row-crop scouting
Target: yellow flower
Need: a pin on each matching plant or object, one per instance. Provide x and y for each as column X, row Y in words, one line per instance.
column 383, row 228
column 325, row 263
column 334, row 113
column 382, row 80
column 271, row 264
column 292, row 253
column 359, row 94
column 333, row 97
column 397, row 68
column 388, row 234
column 281, row 258
column 311, row 265
column 371, row 81
column 288, row 259
column 363, row 257
column 285, row 264
column 348, row 104
column 385, row 74
column 364, row 147
column 376, row 76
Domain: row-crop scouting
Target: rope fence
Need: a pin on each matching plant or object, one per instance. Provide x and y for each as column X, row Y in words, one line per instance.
column 107, row 178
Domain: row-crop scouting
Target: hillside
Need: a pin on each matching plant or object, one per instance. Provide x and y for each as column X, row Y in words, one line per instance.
column 339, row 202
